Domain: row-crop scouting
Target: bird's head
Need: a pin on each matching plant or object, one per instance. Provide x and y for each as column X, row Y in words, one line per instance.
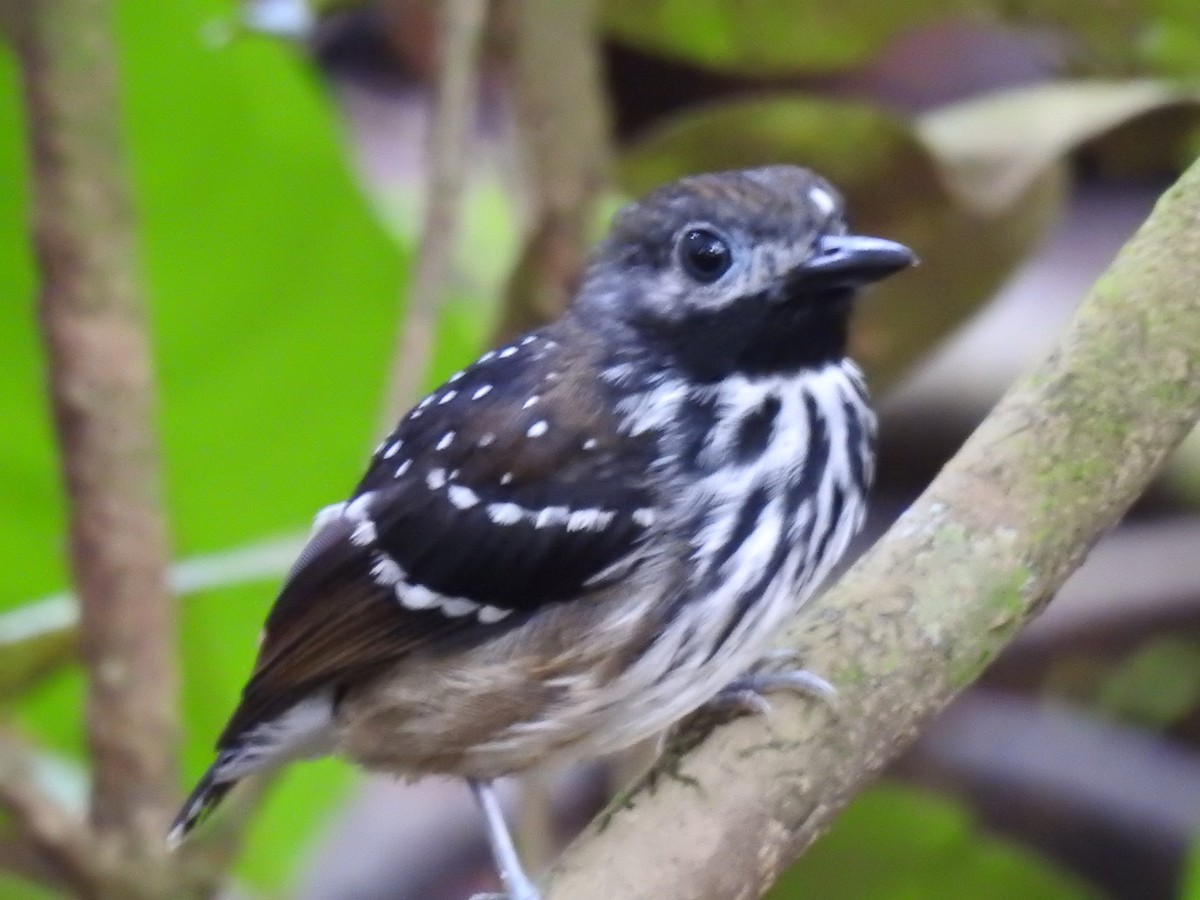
column 736, row 272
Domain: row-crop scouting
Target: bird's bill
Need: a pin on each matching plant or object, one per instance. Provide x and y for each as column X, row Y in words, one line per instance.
column 851, row 260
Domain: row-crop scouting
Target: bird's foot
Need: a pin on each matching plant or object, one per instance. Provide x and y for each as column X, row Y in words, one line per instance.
column 748, row 693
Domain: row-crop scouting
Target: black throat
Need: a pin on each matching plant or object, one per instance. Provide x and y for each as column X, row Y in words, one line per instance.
column 756, row 336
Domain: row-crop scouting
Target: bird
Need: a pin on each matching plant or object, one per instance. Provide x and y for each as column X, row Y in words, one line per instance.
column 592, row 530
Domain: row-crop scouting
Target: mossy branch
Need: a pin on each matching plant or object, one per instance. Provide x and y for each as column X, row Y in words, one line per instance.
column 1058, row 461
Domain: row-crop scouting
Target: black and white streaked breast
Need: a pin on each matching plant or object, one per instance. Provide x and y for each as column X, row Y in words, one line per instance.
column 774, row 472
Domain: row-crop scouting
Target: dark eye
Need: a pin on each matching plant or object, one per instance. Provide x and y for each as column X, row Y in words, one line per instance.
column 704, row 255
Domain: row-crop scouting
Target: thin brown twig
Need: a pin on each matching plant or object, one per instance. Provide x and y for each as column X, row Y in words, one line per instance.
column 563, row 130
column 54, row 840
column 461, row 34
column 101, row 385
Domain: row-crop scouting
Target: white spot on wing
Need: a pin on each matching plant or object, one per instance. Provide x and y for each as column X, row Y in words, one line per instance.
column 393, row 449
column 506, row 478
column 487, row 439
column 417, row 596
column 483, row 391
column 528, row 339
column 530, row 402
column 327, row 514
column 447, row 397
column 490, row 614
column 386, row 572
column 356, row 509
column 504, row 513
column 462, row 496
column 507, row 352
column 436, row 479
column 403, row 467
column 446, row 441
column 453, row 378
column 458, row 606
column 538, row 428
column 551, row 516
column 589, row 519
column 364, row 533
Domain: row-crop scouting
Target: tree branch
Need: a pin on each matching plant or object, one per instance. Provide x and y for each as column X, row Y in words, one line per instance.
column 1058, row 461
column 102, row 389
column 57, row 843
column 461, row 32
column 563, row 126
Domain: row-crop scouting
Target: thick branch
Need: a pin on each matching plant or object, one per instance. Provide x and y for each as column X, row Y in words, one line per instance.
column 1057, row 462
column 102, row 388
column 461, row 31
column 563, row 129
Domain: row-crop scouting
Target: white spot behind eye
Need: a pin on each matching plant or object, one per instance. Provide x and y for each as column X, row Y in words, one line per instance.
column 822, row 200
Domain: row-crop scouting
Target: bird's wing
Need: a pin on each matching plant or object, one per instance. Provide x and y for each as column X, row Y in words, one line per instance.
column 471, row 517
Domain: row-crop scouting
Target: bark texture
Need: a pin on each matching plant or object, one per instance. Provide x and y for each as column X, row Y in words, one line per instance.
column 101, row 383
column 1063, row 455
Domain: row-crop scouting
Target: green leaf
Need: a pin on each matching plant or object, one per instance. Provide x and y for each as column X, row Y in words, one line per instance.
column 895, row 841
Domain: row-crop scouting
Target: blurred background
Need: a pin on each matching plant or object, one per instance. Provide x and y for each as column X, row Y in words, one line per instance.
column 281, row 159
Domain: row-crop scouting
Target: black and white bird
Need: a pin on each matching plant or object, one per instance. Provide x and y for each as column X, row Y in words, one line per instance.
column 592, row 531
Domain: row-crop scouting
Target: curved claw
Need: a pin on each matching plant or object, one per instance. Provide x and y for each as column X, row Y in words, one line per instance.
column 749, row 691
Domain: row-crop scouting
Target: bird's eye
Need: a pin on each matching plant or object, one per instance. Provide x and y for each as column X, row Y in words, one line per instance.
column 704, row 255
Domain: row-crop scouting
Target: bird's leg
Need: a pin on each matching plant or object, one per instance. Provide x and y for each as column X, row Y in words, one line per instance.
column 748, row 692
column 504, row 852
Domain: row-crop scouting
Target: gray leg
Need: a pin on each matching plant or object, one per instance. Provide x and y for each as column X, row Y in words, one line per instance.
column 516, row 882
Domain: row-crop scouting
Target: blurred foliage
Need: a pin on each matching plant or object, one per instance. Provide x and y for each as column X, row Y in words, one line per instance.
column 895, row 843
column 1156, row 686
column 778, row 37
column 276, row 285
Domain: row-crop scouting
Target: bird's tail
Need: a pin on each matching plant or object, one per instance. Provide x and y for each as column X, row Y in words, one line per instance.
column 200, row 802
